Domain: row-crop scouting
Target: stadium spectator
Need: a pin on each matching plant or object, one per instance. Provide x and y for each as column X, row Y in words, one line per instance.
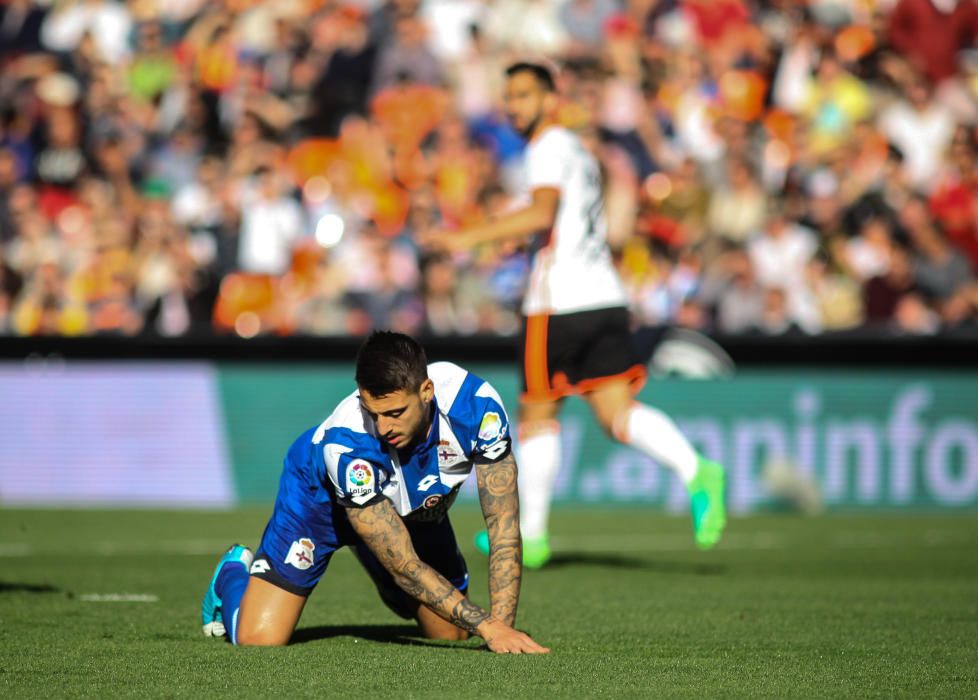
column 737, row 207
column 733, row 291
column 349, row 69
column 584, row 21
column 931, row 33
column 271, row 222
column 882, row 292
column 407, row 58
column 779, row 255
column 8, row 180
column 938, row 270
column 20, row 29
column 107, row 22
column 921, row 128
column 448, row 310
column 834, row 103
column 700, row 113
column 528, row 26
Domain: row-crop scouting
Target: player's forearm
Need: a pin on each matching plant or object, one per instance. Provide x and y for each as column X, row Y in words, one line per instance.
column 499, row 498
column 505, row 572
column 383, row 531
column 521, row 223
column 426, row 585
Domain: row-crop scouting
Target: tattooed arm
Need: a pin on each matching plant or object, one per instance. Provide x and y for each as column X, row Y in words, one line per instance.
column 383, row 531
column 501, row 508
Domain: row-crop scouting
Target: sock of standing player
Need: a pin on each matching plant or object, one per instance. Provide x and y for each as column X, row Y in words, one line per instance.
column 539, row 458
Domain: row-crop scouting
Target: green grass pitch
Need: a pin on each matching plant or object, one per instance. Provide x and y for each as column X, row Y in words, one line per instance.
column 838, row 606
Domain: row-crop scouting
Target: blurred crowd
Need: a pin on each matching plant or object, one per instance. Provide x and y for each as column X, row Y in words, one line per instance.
column 255, row 167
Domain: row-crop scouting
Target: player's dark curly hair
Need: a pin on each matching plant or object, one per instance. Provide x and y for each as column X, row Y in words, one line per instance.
column 544, row 75
column 389, row 362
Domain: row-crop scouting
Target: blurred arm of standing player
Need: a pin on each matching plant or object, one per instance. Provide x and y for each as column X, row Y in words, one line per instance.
column 501, row 509
column 526, row 221
column 383, row 531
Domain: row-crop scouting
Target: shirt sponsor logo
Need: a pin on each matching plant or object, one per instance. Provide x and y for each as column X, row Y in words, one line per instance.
column 300, row 554
column 491, row 428
column 431, row 501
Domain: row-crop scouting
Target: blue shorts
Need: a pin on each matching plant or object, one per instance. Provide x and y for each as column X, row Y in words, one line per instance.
column 306, row 527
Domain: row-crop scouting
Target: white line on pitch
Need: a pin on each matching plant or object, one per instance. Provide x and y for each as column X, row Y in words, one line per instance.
column 114, row 549
column 14, row 549
column 119, row 598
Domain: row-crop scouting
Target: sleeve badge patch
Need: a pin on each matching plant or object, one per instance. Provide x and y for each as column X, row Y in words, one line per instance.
column 359, row 478
column 491, row 427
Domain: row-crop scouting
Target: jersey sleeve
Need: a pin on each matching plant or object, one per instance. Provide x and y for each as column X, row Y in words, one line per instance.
column 493, row 441
column 546, row 163
column 356, row 479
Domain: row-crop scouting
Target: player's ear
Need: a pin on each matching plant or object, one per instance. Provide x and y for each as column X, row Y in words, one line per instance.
column 427, row 391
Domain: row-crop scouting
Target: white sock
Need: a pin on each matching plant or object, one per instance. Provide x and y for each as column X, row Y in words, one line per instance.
column 537, row 461
column 654, row 433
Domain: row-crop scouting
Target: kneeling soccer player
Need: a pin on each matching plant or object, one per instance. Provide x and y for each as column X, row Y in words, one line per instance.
column 379, row 475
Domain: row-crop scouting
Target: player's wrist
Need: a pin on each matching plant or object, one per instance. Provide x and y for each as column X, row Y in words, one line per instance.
column 489, row 628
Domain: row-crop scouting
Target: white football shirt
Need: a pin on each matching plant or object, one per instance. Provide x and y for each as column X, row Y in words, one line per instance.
column 573, row 270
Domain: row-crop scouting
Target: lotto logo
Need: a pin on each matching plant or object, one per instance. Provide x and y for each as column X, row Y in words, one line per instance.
column 260, row 566
column 496, row 450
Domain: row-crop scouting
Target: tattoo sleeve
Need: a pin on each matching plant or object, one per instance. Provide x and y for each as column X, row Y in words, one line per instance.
column 500, row 506
column 383, row 531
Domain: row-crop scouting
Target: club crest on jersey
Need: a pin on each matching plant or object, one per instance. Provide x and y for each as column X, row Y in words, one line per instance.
column 359, row 478
column 300, row 554
column 446, row 455
column 491, row 427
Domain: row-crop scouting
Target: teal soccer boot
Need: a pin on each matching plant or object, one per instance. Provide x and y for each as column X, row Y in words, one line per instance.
column 210, row 608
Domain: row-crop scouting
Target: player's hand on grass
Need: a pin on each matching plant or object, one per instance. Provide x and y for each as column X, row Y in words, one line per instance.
column 503, row 639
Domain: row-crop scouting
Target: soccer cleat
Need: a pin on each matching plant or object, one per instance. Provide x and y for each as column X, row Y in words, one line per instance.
column 536, row 551
column 706, row 500
column 210, row 608
column 482, row 541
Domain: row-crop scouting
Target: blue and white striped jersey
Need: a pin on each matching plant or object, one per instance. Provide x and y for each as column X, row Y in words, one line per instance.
column 470, row 425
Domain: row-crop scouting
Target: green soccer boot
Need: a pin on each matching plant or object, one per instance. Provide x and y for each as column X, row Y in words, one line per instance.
column 707, row 491
column 536, row 552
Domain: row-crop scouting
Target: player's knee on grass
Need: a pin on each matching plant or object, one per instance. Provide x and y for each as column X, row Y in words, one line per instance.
column 268, row 614
column 268, row 635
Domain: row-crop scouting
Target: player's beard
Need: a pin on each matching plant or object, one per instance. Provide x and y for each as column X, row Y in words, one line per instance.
column 531, row 127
